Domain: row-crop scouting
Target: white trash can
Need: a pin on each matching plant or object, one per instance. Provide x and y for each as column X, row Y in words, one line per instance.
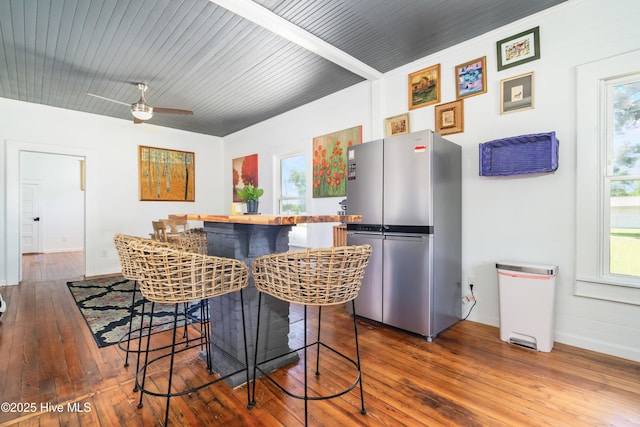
column 527, row 304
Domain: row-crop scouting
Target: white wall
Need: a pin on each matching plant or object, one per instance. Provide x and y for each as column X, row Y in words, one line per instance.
column 526, row 218
column 293, row 132
column 61, row 200
column 110, row 147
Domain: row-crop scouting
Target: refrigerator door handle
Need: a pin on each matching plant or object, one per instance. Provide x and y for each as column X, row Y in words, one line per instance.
column 407, row 237
column 365, row 234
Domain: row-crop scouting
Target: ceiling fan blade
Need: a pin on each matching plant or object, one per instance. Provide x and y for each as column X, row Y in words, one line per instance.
column 109, row 99
column 172, row 111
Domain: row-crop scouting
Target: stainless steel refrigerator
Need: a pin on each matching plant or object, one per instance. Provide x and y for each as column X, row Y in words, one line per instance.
column 408, row 190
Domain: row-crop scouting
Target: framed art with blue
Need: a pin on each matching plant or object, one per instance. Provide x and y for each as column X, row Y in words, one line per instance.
column 471, row 78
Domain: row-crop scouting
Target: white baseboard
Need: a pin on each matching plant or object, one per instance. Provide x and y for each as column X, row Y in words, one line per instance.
column 611, row 349
column 57, row 251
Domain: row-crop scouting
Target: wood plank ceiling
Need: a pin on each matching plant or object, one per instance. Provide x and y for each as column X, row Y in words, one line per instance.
column 234, row 63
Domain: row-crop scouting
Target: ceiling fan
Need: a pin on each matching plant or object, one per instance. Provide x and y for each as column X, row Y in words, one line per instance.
column 141, row 110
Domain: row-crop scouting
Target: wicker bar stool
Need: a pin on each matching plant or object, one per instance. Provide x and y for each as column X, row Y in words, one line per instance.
column 312, row 277
column 129, row 272
column 172, row 275
column 121, row 242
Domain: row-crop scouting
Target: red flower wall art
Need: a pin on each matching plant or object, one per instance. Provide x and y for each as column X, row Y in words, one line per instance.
column 245, row 171
column 330, row 161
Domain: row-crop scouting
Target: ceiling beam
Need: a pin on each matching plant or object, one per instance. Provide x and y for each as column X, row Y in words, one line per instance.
column 263, row 17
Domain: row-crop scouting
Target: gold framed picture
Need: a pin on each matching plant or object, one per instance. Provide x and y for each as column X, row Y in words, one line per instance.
column 450, row 117
column 471, row 78
column 516, row 93
column 424, row 87
column 166, row 175
column 396, row 125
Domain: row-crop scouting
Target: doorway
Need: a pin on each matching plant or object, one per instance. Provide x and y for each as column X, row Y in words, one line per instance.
column 87, row 211
column 52, row 205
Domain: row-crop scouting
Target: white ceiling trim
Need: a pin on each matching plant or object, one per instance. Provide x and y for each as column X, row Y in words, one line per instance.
column 262, row 16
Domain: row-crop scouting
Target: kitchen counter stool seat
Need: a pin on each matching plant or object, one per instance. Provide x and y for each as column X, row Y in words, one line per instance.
column 172, row 275
column 312, row 277
column 129, row 272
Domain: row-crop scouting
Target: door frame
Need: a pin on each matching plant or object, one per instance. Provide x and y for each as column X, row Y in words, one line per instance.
column 13, row 255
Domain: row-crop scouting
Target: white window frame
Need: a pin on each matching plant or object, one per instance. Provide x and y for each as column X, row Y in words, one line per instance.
column 592, row 211
column 299, row 237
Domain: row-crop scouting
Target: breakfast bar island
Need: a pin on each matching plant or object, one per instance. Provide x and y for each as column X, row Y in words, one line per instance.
column 246, row 237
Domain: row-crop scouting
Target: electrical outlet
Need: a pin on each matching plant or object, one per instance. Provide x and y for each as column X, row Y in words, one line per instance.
column 471, row 281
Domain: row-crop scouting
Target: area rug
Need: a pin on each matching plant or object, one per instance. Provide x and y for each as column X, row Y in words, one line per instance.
column 105, row 304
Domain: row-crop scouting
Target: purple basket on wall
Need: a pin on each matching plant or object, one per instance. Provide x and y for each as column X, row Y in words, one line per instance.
column 518, row 155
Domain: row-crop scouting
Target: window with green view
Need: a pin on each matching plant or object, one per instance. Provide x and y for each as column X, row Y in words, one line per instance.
column 622, row 176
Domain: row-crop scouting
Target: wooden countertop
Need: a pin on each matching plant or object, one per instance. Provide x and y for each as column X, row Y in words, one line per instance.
column 268, row 219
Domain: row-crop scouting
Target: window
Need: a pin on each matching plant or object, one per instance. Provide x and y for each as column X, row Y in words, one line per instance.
column 622, row 177
column 293, row 193
column 608, row 179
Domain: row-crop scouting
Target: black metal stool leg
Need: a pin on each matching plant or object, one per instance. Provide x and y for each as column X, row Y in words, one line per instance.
column 355, row 331
column 133, row 303
column 318, row 346
column 306, row 394
column 246, row 351
column 139, row 351
column 252, row 401
column 144, row 306
column 172, row 358
column 185, row 335
column 205, row 326
column 146, row 358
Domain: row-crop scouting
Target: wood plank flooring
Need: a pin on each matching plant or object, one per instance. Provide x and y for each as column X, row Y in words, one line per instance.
column 52, row 373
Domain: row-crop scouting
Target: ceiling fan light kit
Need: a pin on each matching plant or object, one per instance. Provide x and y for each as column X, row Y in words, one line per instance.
column 141, row 111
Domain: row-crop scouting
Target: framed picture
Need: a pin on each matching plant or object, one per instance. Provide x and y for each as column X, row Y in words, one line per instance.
column 424, row 87
column 396, row 125
column 244, row 172
column 450, row 117
column 516, row 93
column 330, row 161
column 166, row 175
column 471, row 78
column 518, row 49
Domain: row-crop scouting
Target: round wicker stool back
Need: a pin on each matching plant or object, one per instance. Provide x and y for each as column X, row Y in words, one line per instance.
column 121, row 242
column 194, row 240
column 169, row 274
column 313, row 277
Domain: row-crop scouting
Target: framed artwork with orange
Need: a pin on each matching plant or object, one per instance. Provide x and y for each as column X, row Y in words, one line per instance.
column 166, row 175
column 330, row 161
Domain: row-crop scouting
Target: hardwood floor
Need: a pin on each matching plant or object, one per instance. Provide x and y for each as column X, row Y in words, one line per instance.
column 466, row 377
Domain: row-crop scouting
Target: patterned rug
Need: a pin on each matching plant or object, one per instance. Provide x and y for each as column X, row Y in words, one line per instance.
column 105, row 304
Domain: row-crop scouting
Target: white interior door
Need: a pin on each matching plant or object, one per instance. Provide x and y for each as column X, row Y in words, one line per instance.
column 30, row 218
